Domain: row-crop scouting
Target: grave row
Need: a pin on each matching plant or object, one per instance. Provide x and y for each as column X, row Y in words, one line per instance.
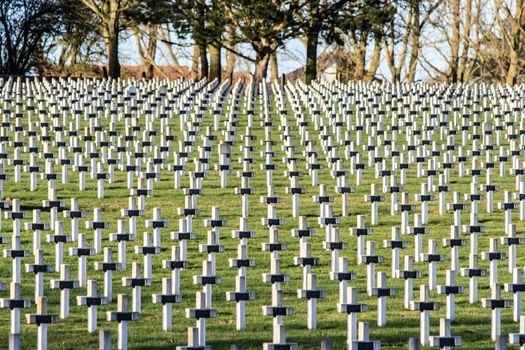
column 410, row 145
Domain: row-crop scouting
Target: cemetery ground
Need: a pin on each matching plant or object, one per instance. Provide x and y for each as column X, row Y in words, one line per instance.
column 472, row 323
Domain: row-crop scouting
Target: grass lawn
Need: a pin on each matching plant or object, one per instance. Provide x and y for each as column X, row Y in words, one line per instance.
column 472, row 321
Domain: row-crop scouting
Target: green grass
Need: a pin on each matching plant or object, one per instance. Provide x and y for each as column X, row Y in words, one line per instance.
column 472, row 322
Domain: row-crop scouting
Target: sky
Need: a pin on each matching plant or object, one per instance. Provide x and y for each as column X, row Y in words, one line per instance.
column 292, row 57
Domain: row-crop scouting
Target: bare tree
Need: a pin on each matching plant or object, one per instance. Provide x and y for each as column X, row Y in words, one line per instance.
column 265, row 26
column 26, row 30
column 110, row 14
column 510, row 24
column 402, row 41
column 146, row 38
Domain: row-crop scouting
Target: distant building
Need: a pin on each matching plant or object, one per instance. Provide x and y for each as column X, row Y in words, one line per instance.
column 337, row 64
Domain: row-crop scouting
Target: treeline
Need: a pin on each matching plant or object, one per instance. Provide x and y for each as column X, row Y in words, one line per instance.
column 442, row 40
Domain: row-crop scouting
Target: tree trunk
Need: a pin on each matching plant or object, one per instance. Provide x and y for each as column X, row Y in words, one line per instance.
column 203, row 58
column 310, row 70
column 360, row 57
column 512, row 72
column 230, row 65
column 263, row 51
column 515, row 35
column 466, row 42
column 195, row 62
column 147, row 54
column 454, row 42
column 415, row 47
column 151, row 50
column 274, row 69
column 174, row 61
column 150, row 71
column 230, row 56
column 112, row 53
column 215, row 63
column 376, row 60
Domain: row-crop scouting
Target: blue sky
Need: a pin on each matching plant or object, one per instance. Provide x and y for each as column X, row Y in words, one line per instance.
column 128, row 55
column 291, row 58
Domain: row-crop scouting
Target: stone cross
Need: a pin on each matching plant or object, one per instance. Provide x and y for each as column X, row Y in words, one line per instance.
column 156, row 224
column 16, row 253
column 81, row 168
column 473, row 229
column 240, row 296
column 132, row 212
column 348, row 304
column 277, row 311
column 312, row 294
column 147, row 250
column 395, row 244
column 54, row 205
column 323, row 199
column 473, row 273
column 374, row 199
column 201, row 312
column 495, row 303
column 512, row 242
column 454, row 242
column 15, row 303
column 490, row 188
column 74, row 214
column 507, row 206
column 36, row 226
column 41, row 319
column 442, row 189
column 39, row 268
column 16, row 215
column 493, row 256
column 122, row 316
column 474, row 197
column 92, row 301
column 65, row 284
column 108, row 266
column 516, row 287
column 136, row 282
column 224, row 167
column 394, row 190
column 450, row 289
column 82, row 252
column 424, row 197
column 121, row 237
column 424, row 306
column 456, row 206
column 432, row 257
column 97, row 225
column 59, row 238
column 361, row 232
column 370, row 259
column 101, row 175
column 519, row 338
column 167, row 298
column 175, row 265
column 382, row 292
column 408, row 274
column 445, row 340
column 363, row 340
column 418, row 230
column 405, row 208
column 294, row 189
column 345, row 190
